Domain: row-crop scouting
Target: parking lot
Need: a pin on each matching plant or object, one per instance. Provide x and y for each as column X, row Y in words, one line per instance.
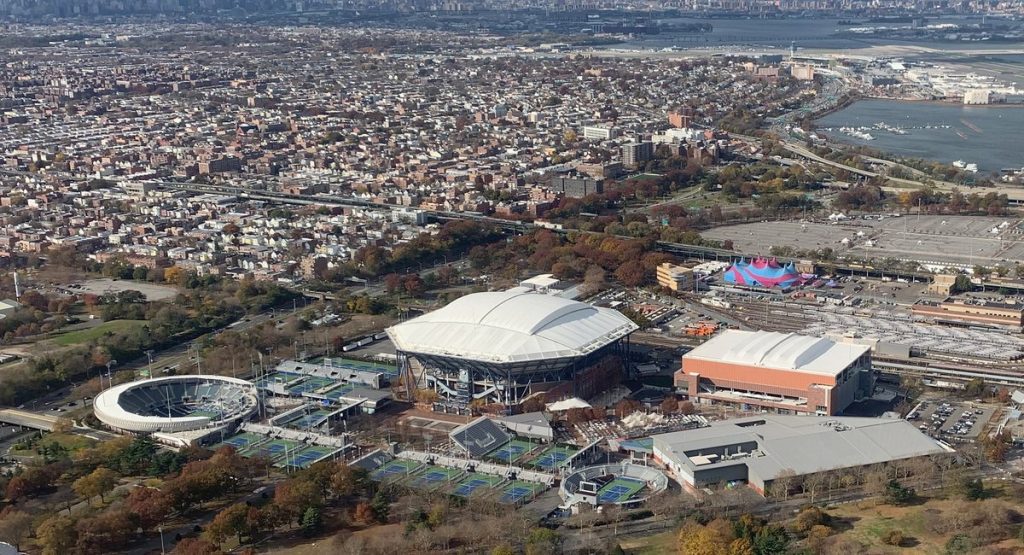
column 951, row 420
column 928, row 239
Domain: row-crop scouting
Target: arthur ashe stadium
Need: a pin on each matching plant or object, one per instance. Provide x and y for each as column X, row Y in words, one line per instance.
column 176, row 404
column 500, row 347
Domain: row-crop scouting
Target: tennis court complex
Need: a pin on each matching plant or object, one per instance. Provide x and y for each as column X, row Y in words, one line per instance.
column 305, row 458
column 511, row 451
column 552, row 457
column 278, row 377
column 395, row 470
column 433, row 477
column 309, row 384
column 274, row 449
column 518, row 492
column 240, row 441
column 477, row 483
column 304, row 421
column 620, row 489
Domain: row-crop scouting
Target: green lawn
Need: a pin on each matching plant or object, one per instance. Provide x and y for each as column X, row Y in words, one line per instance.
column 95, row 332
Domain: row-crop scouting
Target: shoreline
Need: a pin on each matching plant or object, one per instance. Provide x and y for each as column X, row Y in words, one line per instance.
column 1001, row 105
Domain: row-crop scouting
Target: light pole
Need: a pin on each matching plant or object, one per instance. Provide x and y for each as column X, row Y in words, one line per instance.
column 162, row 550
column 149, row 355
column 110, row 379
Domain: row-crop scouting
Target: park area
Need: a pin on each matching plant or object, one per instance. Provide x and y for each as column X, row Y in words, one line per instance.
column 97, row 331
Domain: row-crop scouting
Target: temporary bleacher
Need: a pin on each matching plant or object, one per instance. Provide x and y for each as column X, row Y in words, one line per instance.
column 480, row 436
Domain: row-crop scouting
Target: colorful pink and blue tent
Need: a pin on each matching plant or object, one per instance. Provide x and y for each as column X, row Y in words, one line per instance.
column 763, row 272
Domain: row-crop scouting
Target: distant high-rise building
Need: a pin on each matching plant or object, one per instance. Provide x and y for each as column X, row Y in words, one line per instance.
column 678, row 119
column 600, row 132
column 636, row 153
column 577, row 187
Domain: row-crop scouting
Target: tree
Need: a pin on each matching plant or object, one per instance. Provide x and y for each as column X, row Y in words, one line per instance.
column 229, row 522
column 542, row 541
column 56, row 535
column 959, row 544
column 975, row 388
column 196, row 546
column 687, row 408
column 972, row 489
column 363, row 514
column 15, row 526
column 808, row 518
column 96, row 483
column 893, row 537
column 669, row 405
column 897, row 494
column 695, row 539
column 311, row 521
column 149, row 504
column 770, row 540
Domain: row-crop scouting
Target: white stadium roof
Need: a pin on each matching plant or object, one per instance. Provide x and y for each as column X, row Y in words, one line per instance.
column 782, row 351
column 511, row 326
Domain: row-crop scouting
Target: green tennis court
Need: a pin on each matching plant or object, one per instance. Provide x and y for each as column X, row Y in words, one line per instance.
column 511, row 451
column 433, row 477
column 475, row 482
column 552, row 457
column 520, row 492
column 620, row 489
column 393, row 470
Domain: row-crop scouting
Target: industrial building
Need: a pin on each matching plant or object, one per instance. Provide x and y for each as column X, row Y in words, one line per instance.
column 759, row 450
column 500, row 347
column 784, row 373
column 968, row 312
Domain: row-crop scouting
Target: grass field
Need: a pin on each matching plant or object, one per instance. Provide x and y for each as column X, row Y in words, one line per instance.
column 96, row 332
column 71, row 442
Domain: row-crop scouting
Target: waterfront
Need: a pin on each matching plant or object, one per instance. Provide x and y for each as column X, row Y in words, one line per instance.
column 818, row 33
column 984, row 135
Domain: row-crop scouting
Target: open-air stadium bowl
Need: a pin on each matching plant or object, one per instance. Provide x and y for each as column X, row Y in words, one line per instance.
column 655, row 481
column 176, row 403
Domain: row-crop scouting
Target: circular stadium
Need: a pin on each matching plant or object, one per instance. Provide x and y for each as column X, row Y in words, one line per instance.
column 613, row 484
column 176, row 404
column 495, row 346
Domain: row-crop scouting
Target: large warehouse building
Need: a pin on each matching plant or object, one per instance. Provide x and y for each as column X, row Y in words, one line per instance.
column 779, row 372
column 500, row 347
column 759, row 450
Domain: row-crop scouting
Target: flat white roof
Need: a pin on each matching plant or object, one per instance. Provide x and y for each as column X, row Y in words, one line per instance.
column 780, row 351
column 801, row 444
column 511, row 326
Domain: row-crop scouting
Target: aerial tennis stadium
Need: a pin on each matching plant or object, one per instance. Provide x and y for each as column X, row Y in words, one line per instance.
column 176, row 404
column 499, row 347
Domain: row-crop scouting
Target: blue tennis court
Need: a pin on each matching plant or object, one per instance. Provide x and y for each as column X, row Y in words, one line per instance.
column 394, row 469
column 620, row 489
column 511, row 451
column 241, row 441
column 519, row 492
column 274, row 448
column 306, row 457
column 311, row 383
column 552, row 457
column 475, row 482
